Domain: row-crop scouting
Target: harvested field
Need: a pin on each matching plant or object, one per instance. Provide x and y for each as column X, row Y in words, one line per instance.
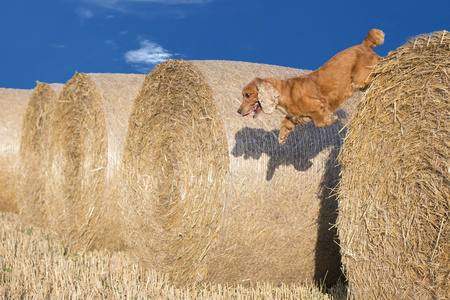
column 394, row 203
column 13, row 105
column 209, row 196
column 35, row 266
column 86, row 147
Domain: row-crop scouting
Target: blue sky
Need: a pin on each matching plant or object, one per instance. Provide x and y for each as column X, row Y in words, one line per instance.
column 49, row 40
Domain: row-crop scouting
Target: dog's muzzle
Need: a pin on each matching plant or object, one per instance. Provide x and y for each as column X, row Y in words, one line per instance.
column 252, row 110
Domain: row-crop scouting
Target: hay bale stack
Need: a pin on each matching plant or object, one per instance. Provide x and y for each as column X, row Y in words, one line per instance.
column 33, row 154
column 13, row 104
column 89, row 131
column 211, row 196
column 394, row 209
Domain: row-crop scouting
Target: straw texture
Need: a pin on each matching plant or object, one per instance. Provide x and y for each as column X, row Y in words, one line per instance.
column 394, row 203
column 209, row 196
column 88, row 135
column 33, row 154
column 13, row 105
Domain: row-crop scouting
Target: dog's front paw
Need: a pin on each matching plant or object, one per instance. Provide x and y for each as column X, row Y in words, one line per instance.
column 286, row 126
column 283, row 137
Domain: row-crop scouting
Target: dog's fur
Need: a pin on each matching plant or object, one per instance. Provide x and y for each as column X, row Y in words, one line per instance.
column 317, row 95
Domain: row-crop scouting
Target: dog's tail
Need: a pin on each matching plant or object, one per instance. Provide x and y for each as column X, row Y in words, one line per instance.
column 375, row 37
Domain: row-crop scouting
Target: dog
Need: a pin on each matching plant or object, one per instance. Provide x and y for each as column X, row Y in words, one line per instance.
column 317, row 95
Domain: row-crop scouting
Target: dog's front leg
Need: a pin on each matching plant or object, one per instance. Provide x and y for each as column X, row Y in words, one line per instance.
column 286, row 126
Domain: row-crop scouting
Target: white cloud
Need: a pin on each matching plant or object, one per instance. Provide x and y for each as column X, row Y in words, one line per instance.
column 147, row 56
column 84, row 13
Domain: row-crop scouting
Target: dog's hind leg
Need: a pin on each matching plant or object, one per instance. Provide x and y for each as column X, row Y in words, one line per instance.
column 323, row 118
column 325, row 121
column 362, row 76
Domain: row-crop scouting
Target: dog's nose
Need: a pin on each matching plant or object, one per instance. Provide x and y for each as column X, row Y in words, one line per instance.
column 239, row 111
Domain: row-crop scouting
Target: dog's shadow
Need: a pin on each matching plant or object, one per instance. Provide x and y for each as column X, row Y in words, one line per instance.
column 303, row 144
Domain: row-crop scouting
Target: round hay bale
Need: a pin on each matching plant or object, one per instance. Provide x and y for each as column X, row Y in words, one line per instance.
column 211, row 196
column 394, row 209
column 13, row 104
column 88, row 135
column 33, row 154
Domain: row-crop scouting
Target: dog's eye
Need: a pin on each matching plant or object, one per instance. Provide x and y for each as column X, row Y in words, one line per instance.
column 247, row 95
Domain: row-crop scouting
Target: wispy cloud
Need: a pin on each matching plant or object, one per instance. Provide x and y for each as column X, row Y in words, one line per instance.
column 174, row 2
column 84, row 14
column 147, row 56
column 112, row 3
column 58, row 46
column 149, row 8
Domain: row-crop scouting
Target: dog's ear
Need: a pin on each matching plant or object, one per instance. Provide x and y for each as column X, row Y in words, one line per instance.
column 268, row 96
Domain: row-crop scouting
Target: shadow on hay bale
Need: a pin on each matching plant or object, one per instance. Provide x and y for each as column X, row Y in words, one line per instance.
column 293, row 154
column 211, row 196
column 13, row 105
column 394, row 209
column 88, row 134
column 33, row 154
column 301, row 158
